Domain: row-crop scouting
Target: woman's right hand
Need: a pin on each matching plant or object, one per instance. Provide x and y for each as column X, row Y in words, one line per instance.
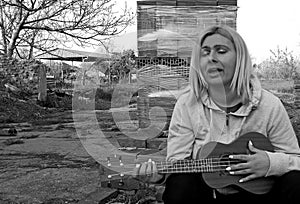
column 147, row 172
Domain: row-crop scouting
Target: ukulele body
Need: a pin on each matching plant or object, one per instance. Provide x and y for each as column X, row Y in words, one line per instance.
column 222, row 178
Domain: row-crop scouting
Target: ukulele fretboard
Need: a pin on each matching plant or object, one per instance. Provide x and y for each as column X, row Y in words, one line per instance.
column 194, row 166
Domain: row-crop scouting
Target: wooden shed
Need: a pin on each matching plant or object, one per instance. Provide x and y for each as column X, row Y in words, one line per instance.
column 167, row 31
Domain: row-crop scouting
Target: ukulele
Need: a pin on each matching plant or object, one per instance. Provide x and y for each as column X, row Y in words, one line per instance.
column 213, row 159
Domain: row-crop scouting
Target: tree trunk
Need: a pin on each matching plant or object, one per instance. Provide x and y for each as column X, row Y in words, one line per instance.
column 42, row 95
column 12, row 45
column 3, row 31
column 10, row 50
column 31, row 45
column 83, row 77
column 30, row 54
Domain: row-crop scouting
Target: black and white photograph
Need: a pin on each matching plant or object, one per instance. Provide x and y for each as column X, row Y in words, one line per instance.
column 149, row 101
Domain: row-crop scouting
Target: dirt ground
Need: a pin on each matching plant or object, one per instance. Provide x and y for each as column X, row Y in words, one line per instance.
column 46, row 164
column 47, row 161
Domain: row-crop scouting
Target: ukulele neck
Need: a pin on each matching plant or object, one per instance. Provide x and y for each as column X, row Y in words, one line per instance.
column 193, row 166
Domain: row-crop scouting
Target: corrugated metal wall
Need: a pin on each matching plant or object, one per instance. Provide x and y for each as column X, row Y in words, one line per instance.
column 169, row 28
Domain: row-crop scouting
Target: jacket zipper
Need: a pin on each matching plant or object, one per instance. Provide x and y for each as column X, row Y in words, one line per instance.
column 227, row 119
column 214, row 194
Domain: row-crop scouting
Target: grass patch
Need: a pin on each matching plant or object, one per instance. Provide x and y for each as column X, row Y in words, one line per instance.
column 278, row 85
column 124, row 95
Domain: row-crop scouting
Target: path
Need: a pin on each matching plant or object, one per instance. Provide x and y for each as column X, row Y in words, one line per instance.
column 48, row 162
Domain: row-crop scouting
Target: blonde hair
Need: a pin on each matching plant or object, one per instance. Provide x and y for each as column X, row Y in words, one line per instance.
column 243, row 69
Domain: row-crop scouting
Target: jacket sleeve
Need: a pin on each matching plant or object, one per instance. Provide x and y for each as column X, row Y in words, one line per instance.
column 181, row 135
column 281, row 134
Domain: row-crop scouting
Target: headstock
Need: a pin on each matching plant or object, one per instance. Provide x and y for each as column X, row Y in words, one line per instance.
column 121, row 175
column 122, row 182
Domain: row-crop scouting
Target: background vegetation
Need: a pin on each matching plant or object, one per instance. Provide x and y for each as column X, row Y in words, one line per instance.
column 27, row 27
column 282, row 64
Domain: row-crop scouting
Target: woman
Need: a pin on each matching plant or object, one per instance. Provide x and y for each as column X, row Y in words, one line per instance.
column 225, row 101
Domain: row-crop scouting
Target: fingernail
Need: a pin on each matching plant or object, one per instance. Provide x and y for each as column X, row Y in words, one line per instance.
column 250, row 143
column 228, row 169
column 149, row 160
column 137, row 165
column 230, row 157
column 231, row 172
column 241, row 180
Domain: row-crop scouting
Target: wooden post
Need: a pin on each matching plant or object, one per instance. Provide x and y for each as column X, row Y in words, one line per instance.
column 42, row 89
column 296, row 79
column 143, row 108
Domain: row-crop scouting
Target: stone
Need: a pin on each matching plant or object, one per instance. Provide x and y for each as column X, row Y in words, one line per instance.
column 100, row 196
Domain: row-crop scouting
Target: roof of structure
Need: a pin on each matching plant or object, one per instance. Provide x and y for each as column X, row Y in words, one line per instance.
column 73, row 55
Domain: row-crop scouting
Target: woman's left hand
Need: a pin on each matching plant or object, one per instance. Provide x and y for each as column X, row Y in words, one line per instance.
column 254, row 165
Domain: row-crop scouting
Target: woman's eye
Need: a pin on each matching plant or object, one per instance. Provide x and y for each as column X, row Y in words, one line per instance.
column 221, row 51
column 205, row 52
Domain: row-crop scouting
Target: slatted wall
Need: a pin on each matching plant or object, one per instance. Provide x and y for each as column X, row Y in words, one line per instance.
column 167, row 31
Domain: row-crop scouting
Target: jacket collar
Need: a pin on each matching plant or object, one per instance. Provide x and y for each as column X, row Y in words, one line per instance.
column 246, row 108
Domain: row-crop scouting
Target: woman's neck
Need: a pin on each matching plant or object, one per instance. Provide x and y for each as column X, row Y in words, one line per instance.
column 224, row 96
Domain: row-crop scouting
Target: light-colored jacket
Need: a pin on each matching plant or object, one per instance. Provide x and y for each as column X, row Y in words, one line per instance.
column 196, row 122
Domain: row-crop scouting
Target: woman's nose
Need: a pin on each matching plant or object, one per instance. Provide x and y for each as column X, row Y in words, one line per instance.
column 212, row 56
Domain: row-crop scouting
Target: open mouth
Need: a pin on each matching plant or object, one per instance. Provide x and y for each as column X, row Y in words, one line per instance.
column 214, row 70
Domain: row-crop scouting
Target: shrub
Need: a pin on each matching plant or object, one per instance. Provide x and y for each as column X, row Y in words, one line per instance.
column 104, row 94
column 281, row 65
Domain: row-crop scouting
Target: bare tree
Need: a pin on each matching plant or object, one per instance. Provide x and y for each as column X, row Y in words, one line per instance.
column 43, row 24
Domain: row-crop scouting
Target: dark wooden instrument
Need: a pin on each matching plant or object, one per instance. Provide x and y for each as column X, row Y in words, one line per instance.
column 213, row 159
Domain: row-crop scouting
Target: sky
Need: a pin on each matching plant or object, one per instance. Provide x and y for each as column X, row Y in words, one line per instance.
column 268, row 24
column 264, row 25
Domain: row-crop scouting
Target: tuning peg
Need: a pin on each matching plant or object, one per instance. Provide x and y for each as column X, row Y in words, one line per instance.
column 120, row 159
column 121, row 182
column 108, row 161
column 109, row 181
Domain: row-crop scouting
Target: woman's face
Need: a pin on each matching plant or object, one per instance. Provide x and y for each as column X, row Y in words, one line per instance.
column 217, row 60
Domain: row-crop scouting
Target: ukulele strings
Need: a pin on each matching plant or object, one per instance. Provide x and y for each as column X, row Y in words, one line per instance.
column 196, row 165
column 211, row 165
column 184, row 163
column 171, row 169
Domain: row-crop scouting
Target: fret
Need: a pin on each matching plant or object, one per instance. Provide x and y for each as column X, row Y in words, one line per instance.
column 193, row 166
column 211, row 166
column 181, row 166
column 208, row 165
column 199, row 165
column 204, row 165
column 177, row 166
